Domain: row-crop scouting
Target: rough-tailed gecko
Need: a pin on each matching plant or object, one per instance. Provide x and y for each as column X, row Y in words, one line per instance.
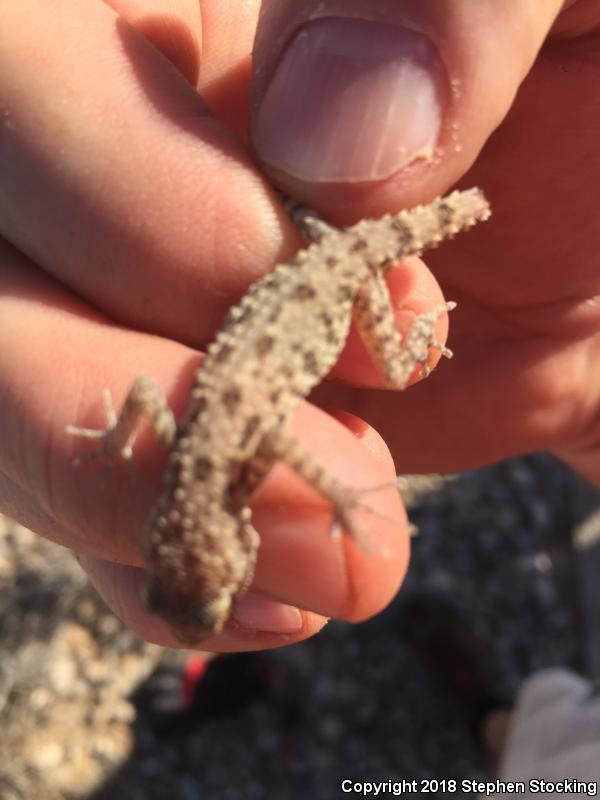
column 275, row 345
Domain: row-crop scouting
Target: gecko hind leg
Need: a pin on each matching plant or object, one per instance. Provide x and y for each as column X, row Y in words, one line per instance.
column 434, row 344
column 251, row 475
column 343, row 500
column 394, row 356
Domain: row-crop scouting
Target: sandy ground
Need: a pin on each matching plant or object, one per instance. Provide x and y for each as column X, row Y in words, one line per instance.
column 89, row 711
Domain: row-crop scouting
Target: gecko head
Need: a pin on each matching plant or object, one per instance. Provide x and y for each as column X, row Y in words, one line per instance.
column 190, row 620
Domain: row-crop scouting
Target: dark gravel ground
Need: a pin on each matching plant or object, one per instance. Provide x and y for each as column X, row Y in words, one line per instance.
column 88, row 711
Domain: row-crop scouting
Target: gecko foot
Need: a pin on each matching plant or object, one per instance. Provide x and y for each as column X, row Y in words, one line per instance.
column 108, row 451
column 345, row 520
column 434, row 344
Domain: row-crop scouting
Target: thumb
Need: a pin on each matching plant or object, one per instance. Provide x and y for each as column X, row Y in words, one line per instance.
column 391, row 99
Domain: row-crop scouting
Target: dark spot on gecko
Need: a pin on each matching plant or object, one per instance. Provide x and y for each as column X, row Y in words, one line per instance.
column 249, row 477
column 200, row 405
column 275, row 314
column 361, row 304
column 264, row 345
column 246, row 314
column 272, row 281
column 236, row 499
column 326, row 319
column 445, row 213
column 303, row 292
column 234, row 319
column 231, row 398
column 311, row 364
column 252, row 290
column 203, row 468
column 251, row 427
column 404, row 232
column 331, row 261
column 344, row 293
column 275, row 396
column 223, row 354
column 359, row 245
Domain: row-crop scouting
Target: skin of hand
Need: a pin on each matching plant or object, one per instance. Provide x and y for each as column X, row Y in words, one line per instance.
column 133, row 216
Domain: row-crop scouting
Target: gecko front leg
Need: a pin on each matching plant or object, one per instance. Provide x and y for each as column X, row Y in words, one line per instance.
column 277, row 344
column 144, row 399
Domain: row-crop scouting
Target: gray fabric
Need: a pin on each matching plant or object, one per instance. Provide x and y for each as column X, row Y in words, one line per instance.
column 554, row 736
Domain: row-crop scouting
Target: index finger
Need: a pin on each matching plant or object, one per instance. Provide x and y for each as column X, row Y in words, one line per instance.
column 299, row 563
column 118, row 181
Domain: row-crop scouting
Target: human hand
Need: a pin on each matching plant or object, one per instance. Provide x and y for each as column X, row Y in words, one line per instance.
column 136, row 220
column 119, row 185
column 526, row 334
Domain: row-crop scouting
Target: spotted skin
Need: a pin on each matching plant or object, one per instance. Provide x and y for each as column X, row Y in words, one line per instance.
column 275, row 345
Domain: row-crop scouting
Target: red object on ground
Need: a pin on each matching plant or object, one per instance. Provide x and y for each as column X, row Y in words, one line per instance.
column 193, row 670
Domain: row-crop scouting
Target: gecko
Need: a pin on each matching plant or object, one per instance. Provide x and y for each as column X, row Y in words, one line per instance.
column 275, row 345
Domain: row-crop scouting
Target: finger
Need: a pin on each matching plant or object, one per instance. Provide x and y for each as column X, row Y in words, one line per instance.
column 413, row 290
column 24, row 507
column 258, row 623
column 117, row 180
column 392, row 100
column 216, row 35
column 65, row 339
column 175, row 27
column 259, row 620
column 537, row 256
column 501, row 396
column 525, row 334
column 47, row 332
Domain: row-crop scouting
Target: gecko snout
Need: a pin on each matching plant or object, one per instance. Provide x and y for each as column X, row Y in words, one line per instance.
column 190, row 620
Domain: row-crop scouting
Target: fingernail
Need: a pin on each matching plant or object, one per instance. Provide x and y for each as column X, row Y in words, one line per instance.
column 351, row 100
column 261, row 614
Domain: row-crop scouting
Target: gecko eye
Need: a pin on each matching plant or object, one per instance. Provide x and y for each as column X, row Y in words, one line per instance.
column 212, row 615
column 190, row 620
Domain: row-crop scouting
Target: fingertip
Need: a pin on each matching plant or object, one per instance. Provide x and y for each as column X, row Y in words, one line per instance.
column 344, row 137
column 258, row 623
column 299, row 560
column 373, row 588
column 362, row 108
column 413, row 290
